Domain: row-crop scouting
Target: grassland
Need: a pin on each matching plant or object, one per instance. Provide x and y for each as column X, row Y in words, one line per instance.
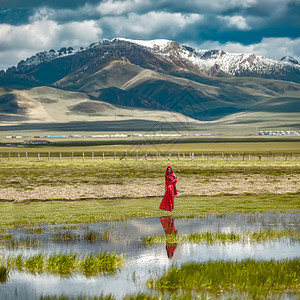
column 163, row 145
column 105, row 179
column 119, row 189
column 66, row 212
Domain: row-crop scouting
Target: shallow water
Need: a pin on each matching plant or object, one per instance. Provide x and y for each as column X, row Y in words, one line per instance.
column 143, row 262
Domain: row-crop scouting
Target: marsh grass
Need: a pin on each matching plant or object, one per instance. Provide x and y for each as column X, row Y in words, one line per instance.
column 3, row 274
column 79, row 297
column 66, row 264
column 21, row 243
column 258, row 279
column 89, row 236
column 222, row 237
column 34, row 230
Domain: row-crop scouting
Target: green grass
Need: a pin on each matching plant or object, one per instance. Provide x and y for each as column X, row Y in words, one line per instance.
column 256, row 145
column 221, row 237
column 89, row 236
column 22, row 243
column 74, row 212
column 257, row 279
column 66, row 264
column 3, row 274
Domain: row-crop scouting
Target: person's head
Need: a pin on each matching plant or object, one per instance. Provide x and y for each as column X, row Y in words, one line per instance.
column 169, row 170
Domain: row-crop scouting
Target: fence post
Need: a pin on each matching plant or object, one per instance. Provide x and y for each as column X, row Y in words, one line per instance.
column 102, row 155
column 114, row 155
column 146, row 156
column 192, row 155
column 38, row 156
column 18, row 156
column 126, row 155
column 183, row 155
column 59, row 155
column 92, row 155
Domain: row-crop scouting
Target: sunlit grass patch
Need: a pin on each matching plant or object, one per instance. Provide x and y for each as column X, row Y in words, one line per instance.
column 258, row 279
column 66, row 264
column 222, row 237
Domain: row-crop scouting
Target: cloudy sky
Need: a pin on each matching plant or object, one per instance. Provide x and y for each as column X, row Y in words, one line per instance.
column 266, row 27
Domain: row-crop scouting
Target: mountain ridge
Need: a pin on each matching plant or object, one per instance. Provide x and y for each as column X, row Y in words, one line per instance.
column 231, row 63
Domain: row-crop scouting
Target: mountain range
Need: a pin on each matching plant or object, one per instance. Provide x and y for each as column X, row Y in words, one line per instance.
column 158, row 80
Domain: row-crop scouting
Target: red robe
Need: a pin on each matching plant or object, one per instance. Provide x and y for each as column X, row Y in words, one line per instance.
column 167, row 203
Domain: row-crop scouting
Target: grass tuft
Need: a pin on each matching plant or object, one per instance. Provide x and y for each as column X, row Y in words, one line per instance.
column 258, row 279
column 221, row 237
column 3, row 274
column 65, row 265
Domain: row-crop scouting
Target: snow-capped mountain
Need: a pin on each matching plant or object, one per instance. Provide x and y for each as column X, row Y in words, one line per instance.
column 230, row 63
column 210, row 62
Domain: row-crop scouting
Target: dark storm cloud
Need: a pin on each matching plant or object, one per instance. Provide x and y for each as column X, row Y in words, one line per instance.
column 30, row 4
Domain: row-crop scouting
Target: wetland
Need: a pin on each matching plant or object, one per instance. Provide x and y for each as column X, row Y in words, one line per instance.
column 65, row 261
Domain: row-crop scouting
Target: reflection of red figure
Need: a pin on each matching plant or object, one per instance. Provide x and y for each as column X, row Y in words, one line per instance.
column 167, row 203
column 168, row 225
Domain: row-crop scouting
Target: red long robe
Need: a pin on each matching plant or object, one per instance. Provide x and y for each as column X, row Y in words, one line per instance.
column 167, row 203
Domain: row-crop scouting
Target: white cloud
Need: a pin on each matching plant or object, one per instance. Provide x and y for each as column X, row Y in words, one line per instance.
column 158, row 24
column 238, row 22
column 42, row 35
column 111, row 7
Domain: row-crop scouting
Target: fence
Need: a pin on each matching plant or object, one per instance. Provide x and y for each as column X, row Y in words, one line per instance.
column 54, row 156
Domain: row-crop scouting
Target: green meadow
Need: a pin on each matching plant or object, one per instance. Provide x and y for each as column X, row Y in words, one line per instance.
column 72, row 212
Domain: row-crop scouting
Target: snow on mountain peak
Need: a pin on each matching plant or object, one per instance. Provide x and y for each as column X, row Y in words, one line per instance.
column 183, row 56
column 153, row 44
column 290, row 59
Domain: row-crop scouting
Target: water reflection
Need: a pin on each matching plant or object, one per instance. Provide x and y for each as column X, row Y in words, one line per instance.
column 168, row 224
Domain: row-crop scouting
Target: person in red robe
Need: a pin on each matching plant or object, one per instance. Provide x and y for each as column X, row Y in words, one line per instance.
column 168, row 225
column 167, row 203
